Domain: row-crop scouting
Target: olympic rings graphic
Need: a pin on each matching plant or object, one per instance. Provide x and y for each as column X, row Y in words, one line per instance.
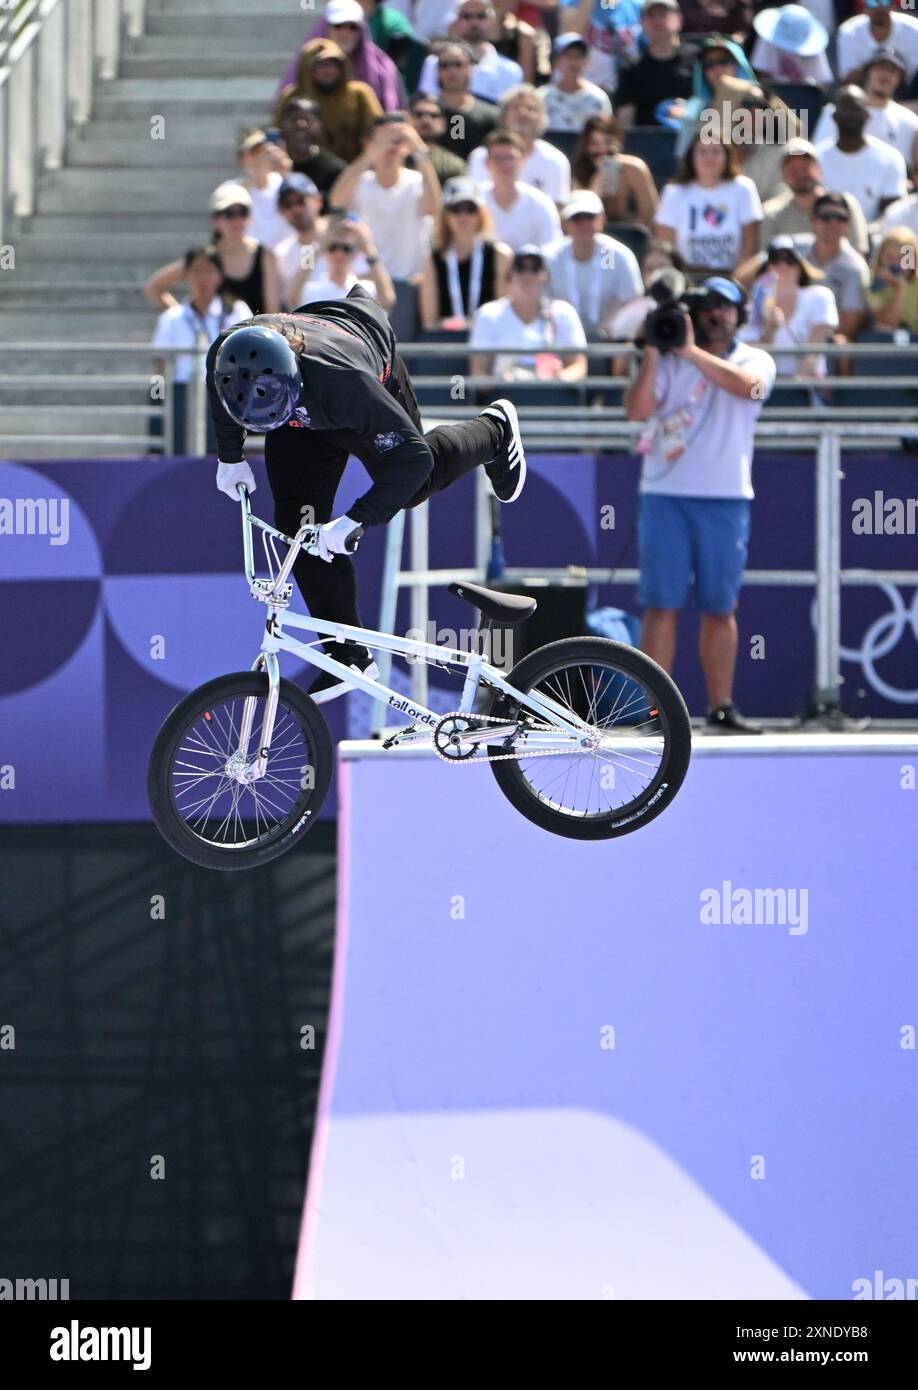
column 880, row 638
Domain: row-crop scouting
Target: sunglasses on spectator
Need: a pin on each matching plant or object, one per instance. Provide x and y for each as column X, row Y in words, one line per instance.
column 237, row 210
column 294, row 202
column 528, row 267
column 782, row 258
column 582, row 217
column 452, row 63
column 423, row 114
column 468, row 208
column 344, row 246
column 347, row 25
column 716, row 63
column 832, row 216
column 479, row 14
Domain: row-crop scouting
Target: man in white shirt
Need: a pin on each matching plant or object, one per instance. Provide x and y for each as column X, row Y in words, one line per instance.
column 569, row 99
column 902, row 213
column 544, row 167
column 873, row 172
column 863, row 34
column 397, row 203
column 263, row 162
column 493, row 74
column 299, row 203
column 590, row 270
column 888, row 120
column 542, row 327
column 701, row 403
column 430, row 19
column 521, row 215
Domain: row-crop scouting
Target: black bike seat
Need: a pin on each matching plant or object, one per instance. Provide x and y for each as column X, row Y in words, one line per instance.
column 504, row 608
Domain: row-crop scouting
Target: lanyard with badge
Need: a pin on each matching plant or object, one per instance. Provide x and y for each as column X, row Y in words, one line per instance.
column 451, row 261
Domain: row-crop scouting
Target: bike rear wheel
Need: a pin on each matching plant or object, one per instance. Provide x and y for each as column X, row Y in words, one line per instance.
column 643, row 746
column 202, row 810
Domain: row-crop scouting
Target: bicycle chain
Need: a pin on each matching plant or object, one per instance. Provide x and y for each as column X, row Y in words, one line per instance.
column 498, row 757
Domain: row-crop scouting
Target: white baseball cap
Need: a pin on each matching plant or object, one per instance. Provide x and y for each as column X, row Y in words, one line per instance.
column 344, row 12
column 581, row 202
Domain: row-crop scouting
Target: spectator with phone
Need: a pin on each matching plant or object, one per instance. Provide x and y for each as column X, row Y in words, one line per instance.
column 467, row 266
column 264, row 162
column 893, row 294
column 791, row 306
column 548, row 330
column 347, row 108
column 342, row 242
column 623, row 181
column 301, row 130
column 396, row 203
column 428, row 117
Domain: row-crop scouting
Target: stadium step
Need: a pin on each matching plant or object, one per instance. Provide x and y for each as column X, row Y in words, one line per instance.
column 101, row 190
column 67, row 446
column 73, row 419
column 141, row 151
column 283, row 33
column 184, row 62
column 108, row 294
column 89, row 325
column 83, row 390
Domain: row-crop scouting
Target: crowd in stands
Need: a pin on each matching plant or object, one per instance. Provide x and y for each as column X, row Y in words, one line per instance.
column 523, row 174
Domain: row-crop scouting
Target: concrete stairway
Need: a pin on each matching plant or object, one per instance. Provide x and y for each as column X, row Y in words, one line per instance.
column 125, row 203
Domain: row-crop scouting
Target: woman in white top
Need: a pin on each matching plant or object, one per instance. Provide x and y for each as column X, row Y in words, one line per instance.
column 334, row 278
column 547, row 331
column 790, row 305
column 710, row 211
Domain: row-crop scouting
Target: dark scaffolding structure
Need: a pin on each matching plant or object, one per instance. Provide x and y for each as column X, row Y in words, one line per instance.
column 156, row 1110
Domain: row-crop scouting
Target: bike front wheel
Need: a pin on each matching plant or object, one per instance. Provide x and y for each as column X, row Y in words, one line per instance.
column 641, row 744
column 201, row 805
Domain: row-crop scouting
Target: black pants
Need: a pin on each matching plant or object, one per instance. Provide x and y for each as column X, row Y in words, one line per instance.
column 305, row 468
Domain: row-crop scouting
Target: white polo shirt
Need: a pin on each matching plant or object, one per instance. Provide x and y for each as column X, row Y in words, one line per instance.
column 716, row 428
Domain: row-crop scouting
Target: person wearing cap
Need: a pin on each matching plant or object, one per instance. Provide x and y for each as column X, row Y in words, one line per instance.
column 395, row 202
column 467, row 266
column 429, row 120
column 873, row 172
column 790, row 211
column 264, row 163
column 301, row 128
column 544, row 166
column 299, row 203
column 887, row 120
column 663, row 72
column 521, row 215
column 880, row 26
column 249, row 268
column 468, row 120
column 592, row 271
column 345, row 23
column 347, row 108
column 613, row 33
column 827, row 248
column 549, row 332
column 569, row 99
column 492, row 74
column 790, row 305
column 791, row 46
column 700, row 404
column 325, row 382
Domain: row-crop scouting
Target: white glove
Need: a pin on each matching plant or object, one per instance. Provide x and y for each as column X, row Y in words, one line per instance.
column 230, row 475
column 333, row 536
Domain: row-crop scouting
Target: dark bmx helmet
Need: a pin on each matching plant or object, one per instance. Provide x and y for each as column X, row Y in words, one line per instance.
column 257, row 377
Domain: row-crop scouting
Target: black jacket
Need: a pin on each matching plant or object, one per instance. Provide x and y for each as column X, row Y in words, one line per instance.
column 350, row 388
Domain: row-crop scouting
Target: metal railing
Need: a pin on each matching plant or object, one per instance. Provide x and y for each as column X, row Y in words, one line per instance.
column 827, row 578
column 51, row 52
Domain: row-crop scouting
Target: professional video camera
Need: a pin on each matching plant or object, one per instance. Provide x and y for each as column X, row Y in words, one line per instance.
column 664, row 327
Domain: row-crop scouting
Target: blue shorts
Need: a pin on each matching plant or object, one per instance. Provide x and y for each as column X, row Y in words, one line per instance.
column 682, row 537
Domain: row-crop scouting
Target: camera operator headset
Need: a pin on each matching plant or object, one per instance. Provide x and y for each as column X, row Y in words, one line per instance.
column 664, row 329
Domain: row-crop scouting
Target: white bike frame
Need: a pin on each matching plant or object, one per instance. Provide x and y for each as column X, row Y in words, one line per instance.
column 568, row 733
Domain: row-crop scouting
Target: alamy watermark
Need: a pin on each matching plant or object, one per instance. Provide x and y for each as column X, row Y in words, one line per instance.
column 759, row 907
column 36, row 516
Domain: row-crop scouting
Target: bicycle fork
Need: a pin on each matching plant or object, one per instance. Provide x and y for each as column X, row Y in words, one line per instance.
column 239, row 766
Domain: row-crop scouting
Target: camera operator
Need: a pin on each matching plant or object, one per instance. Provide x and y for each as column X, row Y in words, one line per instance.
column 700, row 391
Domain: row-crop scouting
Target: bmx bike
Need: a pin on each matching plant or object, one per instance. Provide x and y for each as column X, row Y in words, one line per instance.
column 587, row 738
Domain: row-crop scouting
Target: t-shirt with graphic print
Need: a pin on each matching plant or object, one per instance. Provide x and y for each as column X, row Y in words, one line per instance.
column 708, row 222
